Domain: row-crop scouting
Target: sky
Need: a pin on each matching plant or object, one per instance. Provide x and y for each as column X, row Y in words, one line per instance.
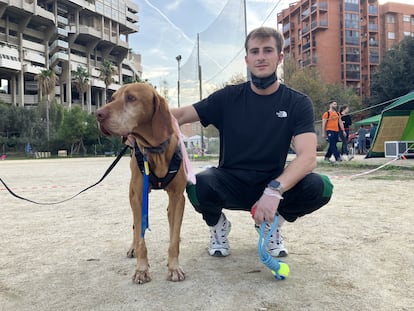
column 169, row 28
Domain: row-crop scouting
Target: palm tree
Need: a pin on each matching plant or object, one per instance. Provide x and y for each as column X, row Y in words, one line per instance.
column 106, row 75
column 81, row 82
column 47, row 81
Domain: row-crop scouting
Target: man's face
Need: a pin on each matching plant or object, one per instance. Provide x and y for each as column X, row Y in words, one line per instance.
column 334, row 105
column 262, row 57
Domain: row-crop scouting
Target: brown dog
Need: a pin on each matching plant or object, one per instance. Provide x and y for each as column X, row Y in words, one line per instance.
column 138, row 110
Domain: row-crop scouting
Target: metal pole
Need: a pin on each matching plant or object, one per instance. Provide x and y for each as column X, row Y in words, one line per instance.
column 178, row 58
column 200, row 88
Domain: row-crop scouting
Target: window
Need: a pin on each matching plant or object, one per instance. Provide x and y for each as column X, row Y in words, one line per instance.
column 406, row 18
column 412, row 20
column 391, row 35
column 351, row 20
column 390, row 19
column 407, row 34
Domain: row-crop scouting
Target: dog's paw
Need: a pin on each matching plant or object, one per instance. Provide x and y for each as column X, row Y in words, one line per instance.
column 131, row 253
column 176, row 275
column 141, row 277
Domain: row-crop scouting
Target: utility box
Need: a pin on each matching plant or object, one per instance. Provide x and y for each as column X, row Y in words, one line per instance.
column 395, row 149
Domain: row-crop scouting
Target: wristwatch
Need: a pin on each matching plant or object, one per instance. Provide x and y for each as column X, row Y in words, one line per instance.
column 275, row 185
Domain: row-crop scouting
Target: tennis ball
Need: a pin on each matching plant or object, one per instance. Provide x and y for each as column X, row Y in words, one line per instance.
column 283, row 271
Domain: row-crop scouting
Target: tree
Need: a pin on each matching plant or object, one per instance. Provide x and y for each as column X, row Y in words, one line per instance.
column 107, row 75
column 81, row 82
column 47, row 81
column 78, row 126
column 395, row 75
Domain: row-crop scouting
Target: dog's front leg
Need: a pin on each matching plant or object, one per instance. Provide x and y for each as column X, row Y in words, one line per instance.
column 141, row 274
column 175, row 218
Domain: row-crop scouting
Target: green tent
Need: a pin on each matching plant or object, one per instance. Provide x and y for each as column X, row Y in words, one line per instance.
column 374, row 119
column 396, row 124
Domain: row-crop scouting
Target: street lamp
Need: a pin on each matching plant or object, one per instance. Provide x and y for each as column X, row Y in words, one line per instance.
column 178, row 58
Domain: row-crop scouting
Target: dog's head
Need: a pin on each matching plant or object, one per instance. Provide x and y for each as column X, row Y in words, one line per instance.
column 137, row 109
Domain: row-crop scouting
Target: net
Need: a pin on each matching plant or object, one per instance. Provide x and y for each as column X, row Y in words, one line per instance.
column 218, row 51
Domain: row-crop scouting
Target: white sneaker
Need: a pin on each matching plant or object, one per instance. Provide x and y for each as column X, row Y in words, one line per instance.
column 275, row 245
column 219, row 244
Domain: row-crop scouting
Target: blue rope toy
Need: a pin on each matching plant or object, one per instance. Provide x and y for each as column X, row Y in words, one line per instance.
column 279, row 269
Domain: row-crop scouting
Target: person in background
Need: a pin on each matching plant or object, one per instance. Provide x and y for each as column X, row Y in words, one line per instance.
column 372, row 132
column 331, row 125
column 347, row 122
column 362, row 139
column 257, row 122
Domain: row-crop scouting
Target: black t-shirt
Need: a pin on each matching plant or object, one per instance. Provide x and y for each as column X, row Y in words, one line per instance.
column 346, row 119
column 256, row 130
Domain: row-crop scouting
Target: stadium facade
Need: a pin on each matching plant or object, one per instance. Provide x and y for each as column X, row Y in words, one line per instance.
column 61, row 35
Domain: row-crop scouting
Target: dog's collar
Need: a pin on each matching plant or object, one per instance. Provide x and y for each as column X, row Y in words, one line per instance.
column 159, row 149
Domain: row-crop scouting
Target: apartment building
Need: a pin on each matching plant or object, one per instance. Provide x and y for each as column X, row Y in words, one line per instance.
column 397, row 22
column 62, row 35
column 340, row 38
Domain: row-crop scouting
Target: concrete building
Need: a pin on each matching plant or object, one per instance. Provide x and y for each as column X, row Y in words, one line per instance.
column 62, row 35
column 344, row 39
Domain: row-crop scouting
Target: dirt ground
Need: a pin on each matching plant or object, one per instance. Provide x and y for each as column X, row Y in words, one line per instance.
column 356, row 253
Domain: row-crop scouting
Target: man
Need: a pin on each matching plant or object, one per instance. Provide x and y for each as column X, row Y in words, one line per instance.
column 331, row 126
column 347, row 122
column 257, row 122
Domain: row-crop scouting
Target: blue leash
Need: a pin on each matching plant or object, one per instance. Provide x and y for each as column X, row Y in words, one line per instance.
column 274, row 265
column 145, row 195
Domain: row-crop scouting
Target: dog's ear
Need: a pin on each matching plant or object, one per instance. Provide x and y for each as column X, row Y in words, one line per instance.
column 161, row 120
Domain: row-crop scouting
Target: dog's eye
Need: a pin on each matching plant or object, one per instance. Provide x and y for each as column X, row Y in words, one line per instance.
column 130, row 98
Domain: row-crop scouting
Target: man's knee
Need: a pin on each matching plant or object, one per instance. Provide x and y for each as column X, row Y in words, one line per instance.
column 192, row 195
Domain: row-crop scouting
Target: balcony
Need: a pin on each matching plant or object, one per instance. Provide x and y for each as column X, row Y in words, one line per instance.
column 29, row 68
column 62, row 20
column 372, row 10
column 60, row 56
column 372, row 27
column 58, row 45
column 287, row 42
column 353, row 75
column 9, row 62
column 323, row 23
column 93, row 32
column 35, row 57
column 373, row 42
column 286, row 28
column 374, row 59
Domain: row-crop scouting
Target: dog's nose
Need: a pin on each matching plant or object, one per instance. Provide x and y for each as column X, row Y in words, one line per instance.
column 101, row 114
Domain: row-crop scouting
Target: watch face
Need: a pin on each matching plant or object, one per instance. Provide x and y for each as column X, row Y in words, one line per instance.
column 274, row 184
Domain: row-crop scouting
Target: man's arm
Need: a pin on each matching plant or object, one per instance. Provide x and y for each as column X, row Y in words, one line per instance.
column 303, row 164
column 186, row 114
column 323, row 127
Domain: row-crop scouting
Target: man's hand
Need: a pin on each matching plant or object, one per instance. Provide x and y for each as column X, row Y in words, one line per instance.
column 265, row 209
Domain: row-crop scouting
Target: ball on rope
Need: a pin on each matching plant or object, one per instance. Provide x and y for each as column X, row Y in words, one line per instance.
column 283, row 271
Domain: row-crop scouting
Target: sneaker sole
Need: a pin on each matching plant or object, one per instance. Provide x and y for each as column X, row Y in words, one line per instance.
column 218, row 253
column 278, row 255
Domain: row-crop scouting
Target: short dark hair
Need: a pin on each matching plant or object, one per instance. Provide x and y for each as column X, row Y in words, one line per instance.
column 331, row 101
column 342, row 108
column 264, row 33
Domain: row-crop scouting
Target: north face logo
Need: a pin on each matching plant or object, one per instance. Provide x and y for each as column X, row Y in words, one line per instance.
column 281, row 114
